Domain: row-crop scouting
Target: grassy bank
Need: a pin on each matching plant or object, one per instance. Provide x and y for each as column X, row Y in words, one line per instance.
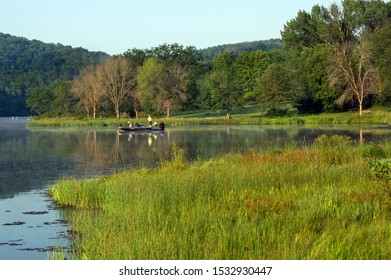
column 320, row 202
column 248, row 115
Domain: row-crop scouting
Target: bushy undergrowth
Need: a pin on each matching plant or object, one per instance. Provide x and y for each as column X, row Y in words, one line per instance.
column 320, row 202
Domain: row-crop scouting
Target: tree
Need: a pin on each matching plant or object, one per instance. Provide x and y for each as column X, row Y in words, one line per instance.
column 88, row 88
column 312, row 67
column 162, row 86
column 351, row 62
column 136, row 56
column 346, row 31
column 249, row 66
column 117, row 79
column 40, row 100
column 277, row 87
column 223, row 83
column 380, row 45
column 352, row 70
column 189, row 59
column 55, row 99
column 65, row 103
column 306, row 30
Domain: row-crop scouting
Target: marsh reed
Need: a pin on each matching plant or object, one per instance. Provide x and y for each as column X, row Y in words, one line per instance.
column 317, row 202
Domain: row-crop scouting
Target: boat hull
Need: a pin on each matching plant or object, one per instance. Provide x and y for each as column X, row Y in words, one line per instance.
column 141, row 129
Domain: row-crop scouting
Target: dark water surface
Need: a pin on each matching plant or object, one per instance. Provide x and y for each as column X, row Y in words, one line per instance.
column 32, row 159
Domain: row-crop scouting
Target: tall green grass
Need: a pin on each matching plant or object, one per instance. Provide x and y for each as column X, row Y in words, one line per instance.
column 74, row 122
column 319, row 202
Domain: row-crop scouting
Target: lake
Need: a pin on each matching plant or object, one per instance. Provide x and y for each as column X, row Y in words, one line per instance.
column 32, row 159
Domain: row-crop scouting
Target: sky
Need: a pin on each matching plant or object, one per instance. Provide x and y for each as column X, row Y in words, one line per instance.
column 115, row 26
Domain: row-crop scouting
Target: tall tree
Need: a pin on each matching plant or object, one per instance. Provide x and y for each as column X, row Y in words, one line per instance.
column 117, row 81
column 381, row 48
column 277, row 87
column 223, row 83
column 88, row 88
column 351, row 61
column 249, row 66
column 312, row 68
column 346, row 30
column 162, row 86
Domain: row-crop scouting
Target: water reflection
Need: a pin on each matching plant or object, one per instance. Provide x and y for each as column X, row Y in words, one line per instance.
column 33, row 158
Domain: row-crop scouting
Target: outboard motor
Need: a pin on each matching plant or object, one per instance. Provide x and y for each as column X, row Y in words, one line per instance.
column 162, row 125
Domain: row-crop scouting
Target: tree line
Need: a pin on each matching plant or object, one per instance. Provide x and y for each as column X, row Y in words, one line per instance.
column 334, row 58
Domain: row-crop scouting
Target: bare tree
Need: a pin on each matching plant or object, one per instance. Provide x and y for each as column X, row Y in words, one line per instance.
column 87, row 88
column 136, row 103
column 117, row 81
column 78, row 88
column 351, row 69
column 350, row 62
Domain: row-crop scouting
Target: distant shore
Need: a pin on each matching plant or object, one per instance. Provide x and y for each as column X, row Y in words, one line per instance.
column 248, row 115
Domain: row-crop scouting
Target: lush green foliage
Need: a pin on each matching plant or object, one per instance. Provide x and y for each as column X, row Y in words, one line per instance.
column 53, row 100
column 239, row 48
column 381, row 44
column 27, row 64
column 162, row 85
column 345, row 33
column 223, row 84
column 319, row 202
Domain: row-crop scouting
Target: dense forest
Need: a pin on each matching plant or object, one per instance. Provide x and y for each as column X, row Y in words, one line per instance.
column 238, row 48
column 26, row 64
column 328, row 59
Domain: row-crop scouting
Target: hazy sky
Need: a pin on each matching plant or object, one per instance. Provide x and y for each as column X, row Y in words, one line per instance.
column 114, row 26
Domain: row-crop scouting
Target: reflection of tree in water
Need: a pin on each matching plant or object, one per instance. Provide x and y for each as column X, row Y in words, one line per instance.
column 367, row 135
column 107, row 152
column 28, row 161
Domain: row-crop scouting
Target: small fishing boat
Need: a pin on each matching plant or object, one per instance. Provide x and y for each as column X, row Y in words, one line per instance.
column 138, row 128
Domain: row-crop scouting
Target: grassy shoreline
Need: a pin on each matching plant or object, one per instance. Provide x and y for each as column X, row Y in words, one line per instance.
column 318, row 202
column 246, row 116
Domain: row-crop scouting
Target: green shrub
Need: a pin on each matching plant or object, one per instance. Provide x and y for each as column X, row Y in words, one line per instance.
column 381, row 168
column 334, row 141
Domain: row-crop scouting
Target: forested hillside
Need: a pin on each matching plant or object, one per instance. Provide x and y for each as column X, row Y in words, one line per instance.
column 238, row 48
column 26, row 64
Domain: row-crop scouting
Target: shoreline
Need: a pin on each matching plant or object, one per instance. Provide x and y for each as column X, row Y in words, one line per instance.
column 249, row 117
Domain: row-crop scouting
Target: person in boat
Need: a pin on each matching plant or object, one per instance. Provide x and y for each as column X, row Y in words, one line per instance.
column 149, row 120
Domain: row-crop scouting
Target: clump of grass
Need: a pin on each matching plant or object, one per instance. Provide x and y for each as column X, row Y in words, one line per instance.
column 293, row 203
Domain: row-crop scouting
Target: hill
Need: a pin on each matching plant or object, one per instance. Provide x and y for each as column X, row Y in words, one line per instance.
column 26, row 64
column 265, row 45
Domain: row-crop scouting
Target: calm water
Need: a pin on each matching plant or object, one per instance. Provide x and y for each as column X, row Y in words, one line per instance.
column 32, row 159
